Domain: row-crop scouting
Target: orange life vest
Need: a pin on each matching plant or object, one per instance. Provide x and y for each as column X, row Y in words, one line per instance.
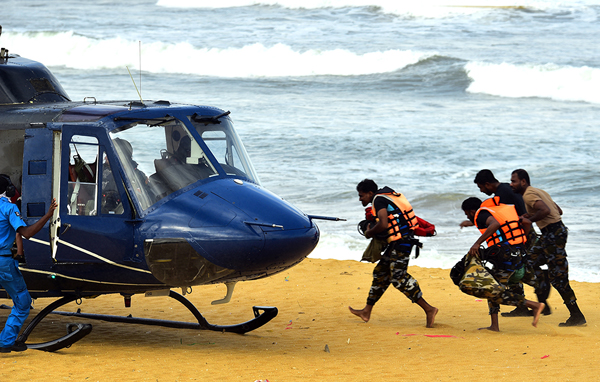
column 401, row 219
column 510, row 231
column 491, row 202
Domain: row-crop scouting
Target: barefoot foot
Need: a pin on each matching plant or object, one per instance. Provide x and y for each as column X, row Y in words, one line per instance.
column 490, row 328
column 431, row 316
column 364, row 314
column 537, row 313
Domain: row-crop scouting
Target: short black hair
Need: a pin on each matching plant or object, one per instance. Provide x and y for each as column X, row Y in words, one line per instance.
column 485, row 176
column 367, row 185
column 471, row 204
column 4, row 183
column 522, row 174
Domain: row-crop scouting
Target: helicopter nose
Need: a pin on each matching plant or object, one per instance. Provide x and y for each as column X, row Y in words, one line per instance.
column 264, row 232
column 237, row 230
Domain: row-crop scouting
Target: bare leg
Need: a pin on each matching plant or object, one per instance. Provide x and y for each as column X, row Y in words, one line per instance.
column 430, row 311
column 538, row 308
column 494, row 327
column 364, row 313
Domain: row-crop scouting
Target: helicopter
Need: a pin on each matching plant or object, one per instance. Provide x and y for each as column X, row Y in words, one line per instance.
column 152, row 196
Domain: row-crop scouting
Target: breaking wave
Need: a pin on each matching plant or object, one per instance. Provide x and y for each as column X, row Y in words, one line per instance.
column 563, row 83
column 424, row 8
column 67, row 49
column 256, row 60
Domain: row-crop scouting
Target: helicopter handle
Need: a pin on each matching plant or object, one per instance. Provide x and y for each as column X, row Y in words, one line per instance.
column 67, row 226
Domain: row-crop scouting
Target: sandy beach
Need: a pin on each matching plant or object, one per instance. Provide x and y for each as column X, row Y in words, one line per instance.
column 313, row 300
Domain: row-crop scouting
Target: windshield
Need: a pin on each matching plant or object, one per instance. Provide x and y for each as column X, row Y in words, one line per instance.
column 160, row 157
column 220, row 137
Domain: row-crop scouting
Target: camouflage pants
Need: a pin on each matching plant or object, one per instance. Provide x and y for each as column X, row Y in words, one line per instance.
column 534, row 275
column 550, row 250
column 513, row 295
column 393, row 269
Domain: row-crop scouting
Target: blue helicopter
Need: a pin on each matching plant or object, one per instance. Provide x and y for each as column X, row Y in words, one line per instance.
column 151, row 196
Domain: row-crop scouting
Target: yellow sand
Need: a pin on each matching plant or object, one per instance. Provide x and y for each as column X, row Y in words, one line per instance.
column 313, row 300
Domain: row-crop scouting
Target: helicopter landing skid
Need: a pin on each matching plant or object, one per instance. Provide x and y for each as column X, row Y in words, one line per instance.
column 75, row 332
column 260, row 319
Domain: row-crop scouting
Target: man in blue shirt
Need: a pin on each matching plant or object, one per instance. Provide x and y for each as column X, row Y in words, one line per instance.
column 11, row 279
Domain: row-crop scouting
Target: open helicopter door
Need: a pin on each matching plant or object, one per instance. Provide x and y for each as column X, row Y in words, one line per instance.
column 38, row 186
column 97, row 228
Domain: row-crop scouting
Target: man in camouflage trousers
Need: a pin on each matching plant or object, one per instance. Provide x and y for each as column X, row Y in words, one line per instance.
column 393, row 266
column 505, row 252
column 550, row 248
column 399, row 257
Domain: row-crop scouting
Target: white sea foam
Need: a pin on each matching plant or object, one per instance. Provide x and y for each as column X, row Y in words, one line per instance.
column 424, row 8
column 347, row 247
column 562, row 83
column 255, row 60
column 339, row 247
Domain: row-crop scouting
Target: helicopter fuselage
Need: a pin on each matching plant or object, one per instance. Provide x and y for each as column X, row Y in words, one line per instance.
column 151, row 196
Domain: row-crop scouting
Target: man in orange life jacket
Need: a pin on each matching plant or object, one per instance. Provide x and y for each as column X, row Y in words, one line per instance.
column 550, row 248
column 396, row 218
column 488, row 184
column 538, row 279
column 505, row 237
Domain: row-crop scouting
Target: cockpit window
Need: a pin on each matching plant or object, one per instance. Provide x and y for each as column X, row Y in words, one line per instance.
column 160, row 157
column 223, row 142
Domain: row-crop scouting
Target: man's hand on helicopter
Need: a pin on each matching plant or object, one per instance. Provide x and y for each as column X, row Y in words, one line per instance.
column 29, row 231
column 53, row 207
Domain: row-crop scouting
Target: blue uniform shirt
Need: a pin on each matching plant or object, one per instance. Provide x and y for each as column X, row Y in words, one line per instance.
column 10, row 221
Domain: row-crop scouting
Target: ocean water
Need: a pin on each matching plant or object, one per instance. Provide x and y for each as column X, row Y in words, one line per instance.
column 325, row 93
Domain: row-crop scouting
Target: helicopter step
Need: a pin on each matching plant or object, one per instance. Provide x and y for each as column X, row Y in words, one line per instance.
column 260, row 319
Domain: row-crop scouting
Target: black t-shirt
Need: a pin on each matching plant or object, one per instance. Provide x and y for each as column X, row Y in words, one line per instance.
column 482, row 218
column 508, row 196
column 382, row 202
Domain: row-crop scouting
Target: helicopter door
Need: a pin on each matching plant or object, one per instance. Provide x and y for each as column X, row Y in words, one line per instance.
column 37, row 185
column 95, row 214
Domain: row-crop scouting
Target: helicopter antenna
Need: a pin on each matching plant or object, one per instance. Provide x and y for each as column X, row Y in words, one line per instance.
column 136, row 88
column 140, row 54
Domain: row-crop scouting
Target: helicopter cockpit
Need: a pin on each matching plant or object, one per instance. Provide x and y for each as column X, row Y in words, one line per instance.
column 163, row 156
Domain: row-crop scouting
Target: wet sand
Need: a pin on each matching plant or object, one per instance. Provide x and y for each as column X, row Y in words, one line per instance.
column 313, row 300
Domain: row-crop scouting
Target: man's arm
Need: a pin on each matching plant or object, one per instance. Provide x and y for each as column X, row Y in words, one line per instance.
column 466, row 223
column 29, row 231
column 380, row 226
column 541, row 211
column 19, row 241
column 492, row 226
column 526, row 224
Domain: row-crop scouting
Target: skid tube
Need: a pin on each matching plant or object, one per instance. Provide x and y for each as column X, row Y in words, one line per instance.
column 260, row 319
column 75, row 332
